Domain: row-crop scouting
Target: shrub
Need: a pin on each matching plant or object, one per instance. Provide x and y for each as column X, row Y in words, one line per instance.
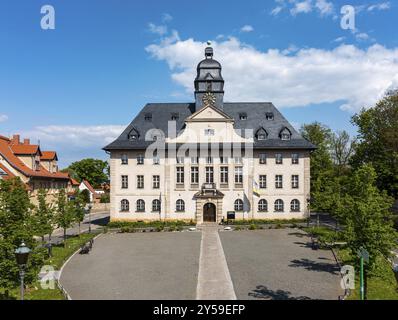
column 252, row 227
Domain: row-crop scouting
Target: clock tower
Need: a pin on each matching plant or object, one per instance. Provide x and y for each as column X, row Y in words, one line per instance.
column 209, row 80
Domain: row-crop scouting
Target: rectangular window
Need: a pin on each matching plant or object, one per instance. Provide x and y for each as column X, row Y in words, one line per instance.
column 194, row 175
column 263, row 181
column 295, row 158
column 140, row 159
column 180, row 175
column 263, row 158
column 125, row 182
column 278, row 158
column 238, row 175
column 295, row 181
column 209, row 174
column 125, row 159
column 140, row 182
column 224, row 175
column 278, row 181
column 156, row 182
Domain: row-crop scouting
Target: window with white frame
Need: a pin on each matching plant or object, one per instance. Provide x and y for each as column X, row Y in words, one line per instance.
column 180, row 205
column 238, row 160
column 156, row 205
column 262, row 158
column 125, row 159
column 209, row 160
column 263, row 181
column 238, row 205
column 156, row 182
column 295, row 158
column 278, row 158
column 140, row 182
column 238, row 175
column 125, row 182
column 124, row 205
column 140, row 205
column 140, row 159
column 194, row 175
column 180, row 159
column 209, row 174
column 278, row 206
column 278, row 181
column 295, row 181
column 224, row 175
column 180, row 175
column 262, row 205
column 295, row 205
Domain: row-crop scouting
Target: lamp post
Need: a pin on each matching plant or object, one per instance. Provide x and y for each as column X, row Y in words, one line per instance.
column 22, row 255
column 90, row 206
column 309, row 211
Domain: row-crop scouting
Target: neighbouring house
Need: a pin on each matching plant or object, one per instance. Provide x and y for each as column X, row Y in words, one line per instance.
column 36, row 168
column 209, row 160
column 95, row 194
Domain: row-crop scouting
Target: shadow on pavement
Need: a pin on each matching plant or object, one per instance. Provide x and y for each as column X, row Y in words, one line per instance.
column 315, row 266
column 262, row 292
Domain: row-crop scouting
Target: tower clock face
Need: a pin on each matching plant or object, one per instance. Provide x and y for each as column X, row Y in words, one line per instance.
column 209, row 99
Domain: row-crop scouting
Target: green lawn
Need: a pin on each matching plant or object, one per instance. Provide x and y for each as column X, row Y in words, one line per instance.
column 382, row 286
column 60, row 255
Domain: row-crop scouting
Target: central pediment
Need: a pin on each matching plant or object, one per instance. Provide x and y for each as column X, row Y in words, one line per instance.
column 209, row 114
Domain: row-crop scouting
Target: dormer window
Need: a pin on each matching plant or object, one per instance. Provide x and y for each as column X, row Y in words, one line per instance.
column 285, row 134
column 209, row 132
column 148, row 117
column 175, row 116
column 269, row 116
column 133, row 135
column 242, row 116
column 261, row 134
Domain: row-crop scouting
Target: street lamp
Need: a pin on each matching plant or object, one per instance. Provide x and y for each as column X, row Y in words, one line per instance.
column 90, row 206
column 22, row 255
column 309, row 211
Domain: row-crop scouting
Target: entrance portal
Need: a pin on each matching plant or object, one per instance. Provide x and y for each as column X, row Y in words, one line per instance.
column 209, row 212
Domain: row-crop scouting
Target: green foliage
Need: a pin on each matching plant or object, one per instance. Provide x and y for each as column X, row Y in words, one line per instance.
column 105, row 198
column 43, row 216
column 64, row 212
column 378, row 142
column 15, row 226
column 95, row 171
column 365, row 213
column 84, row 196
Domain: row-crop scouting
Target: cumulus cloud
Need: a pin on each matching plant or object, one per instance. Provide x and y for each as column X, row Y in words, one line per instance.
column 295, row 7
column 3, row 118
column 72, row 142
column 348, row 75
column 247, row 28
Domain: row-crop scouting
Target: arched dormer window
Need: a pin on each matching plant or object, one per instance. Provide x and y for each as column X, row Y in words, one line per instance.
column 261, row 134
column 133, row 135
column 285, row 134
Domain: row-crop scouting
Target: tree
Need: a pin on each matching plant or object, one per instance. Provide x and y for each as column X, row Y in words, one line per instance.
column 92, row 170
column 43, row 216
column 378, row 142
column 79, row 204
column 85, row 196
column 15, row 227
column 65, row 212
column 342, row 149
column 365, row 213
column 321, row 161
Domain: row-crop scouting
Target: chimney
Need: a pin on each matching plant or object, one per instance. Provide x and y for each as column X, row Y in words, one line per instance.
column 15, row 139
column 26, row 142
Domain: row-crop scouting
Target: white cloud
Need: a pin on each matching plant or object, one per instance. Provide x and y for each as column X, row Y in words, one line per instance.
column 362, row 36
column 161, row 30
column 166, row 17
column 3, row 118
column 276, row 10
column 348, row 75
column 301, row 7
column 247, row 28
column 295, row 7
column 325, row 7
column 380, row 6
column 339, row 39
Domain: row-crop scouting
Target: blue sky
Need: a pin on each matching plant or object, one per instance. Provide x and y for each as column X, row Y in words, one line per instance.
column 75, row 87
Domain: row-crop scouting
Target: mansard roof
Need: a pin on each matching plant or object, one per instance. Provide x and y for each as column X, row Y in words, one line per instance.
column 256, row 118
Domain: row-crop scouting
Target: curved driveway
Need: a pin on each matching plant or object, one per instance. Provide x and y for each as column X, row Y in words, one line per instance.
column 263, row 264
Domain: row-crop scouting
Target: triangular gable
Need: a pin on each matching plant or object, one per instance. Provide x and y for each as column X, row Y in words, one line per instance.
column 209, row 113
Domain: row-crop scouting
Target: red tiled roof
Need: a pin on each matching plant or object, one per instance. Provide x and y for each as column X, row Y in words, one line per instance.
column 74, row 182
column 21, row 149
column 89, row 186
column 7, row 151
column 9, row 174
column 48, row 155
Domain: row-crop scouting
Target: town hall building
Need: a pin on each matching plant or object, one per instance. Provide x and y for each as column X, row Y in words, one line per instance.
column 209, row 160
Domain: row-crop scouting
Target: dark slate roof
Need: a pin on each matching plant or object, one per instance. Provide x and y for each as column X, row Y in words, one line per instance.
column 256, row 118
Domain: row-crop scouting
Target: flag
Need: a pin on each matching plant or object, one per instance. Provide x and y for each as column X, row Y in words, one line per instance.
column 256, row 192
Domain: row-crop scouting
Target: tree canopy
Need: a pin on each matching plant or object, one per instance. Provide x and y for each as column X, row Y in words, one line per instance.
column 95, row 171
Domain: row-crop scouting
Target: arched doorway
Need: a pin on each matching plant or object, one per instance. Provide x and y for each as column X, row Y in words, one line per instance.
column 209, row 212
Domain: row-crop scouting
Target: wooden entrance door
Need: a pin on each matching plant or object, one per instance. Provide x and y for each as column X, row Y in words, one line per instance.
column 209, row 212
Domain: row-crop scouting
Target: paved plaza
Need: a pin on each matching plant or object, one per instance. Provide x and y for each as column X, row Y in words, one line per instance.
column 262, row 264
